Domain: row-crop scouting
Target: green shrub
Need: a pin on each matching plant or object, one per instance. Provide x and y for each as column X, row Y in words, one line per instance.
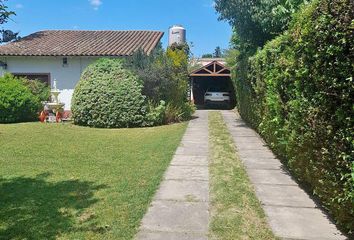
column 17, row 103
column 164, row 75
column 38, row 88
column 187, row 110
column 108, row 96
column 156, row 114
column 173, row 114
column 180, row 113
column 298, row 93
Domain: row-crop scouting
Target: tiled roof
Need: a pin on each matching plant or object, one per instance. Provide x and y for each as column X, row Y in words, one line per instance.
column 82, row 43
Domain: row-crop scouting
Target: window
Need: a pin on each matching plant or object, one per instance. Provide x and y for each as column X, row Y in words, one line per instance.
column 65, row 62
column 44, row 77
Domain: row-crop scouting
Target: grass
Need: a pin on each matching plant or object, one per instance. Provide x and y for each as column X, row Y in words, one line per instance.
column 236, row 212
column 60, row 181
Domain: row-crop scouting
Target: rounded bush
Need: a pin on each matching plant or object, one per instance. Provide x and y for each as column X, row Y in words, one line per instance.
column 17, row 103
column 108, row 96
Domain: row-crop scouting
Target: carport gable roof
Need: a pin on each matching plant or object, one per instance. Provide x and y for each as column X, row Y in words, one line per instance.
column 213, row 69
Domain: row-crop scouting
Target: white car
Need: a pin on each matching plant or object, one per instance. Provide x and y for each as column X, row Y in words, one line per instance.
column 216, row 96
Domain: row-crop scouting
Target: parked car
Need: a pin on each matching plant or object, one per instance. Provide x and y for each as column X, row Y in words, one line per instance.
column 217, row 96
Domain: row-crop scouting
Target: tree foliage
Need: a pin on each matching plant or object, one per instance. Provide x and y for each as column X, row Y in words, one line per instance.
column 164, row 76
column 257, row 21
column 207, row 55
column 5, row 16
column 217, row 52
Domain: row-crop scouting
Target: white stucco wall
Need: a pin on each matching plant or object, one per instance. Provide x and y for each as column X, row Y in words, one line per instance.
column 65, row 97
column 66, row 76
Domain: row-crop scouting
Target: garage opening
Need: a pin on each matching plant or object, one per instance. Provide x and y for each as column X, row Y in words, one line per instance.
column 211, row 86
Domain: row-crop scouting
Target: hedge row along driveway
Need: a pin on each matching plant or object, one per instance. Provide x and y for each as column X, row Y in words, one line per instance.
column 297, row 91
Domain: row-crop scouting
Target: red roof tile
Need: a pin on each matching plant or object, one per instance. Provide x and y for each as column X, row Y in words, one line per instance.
column 82, row 43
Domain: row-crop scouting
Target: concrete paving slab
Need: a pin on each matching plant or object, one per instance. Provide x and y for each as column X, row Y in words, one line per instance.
column 195, row 136
column 262, row 165
column 177, row 217
column 301, row 223
column 188, row 191
column 255, row 153
column 197, row 131
column 194, row 144
column 252, row 145
column 187, row 173
column 146, row 235
column 243, row 133
column 191, row 142
column 197, row 126
column 283, row 195
column 261, row 160
column 193, row 151
column 186, row 160
column 248, row 139
column 195, row 140
column 265, row 176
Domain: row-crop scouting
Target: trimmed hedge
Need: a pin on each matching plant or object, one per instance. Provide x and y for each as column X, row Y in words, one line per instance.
column 17, row 102
column 108, row 96
column 298, row 92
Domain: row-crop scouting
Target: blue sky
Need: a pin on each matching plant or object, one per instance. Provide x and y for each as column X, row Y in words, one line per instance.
column 197, row 16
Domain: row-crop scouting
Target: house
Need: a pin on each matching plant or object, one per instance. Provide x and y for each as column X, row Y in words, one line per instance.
column 64, row 54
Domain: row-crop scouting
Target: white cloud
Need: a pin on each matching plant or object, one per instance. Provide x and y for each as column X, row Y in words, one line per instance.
column 95, row 3
column 18, row 5
column 210, row 4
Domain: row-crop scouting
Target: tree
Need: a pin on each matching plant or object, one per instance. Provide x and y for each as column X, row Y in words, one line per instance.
column 164, row 74
column 207, row 55
column 5, row 16
column 257, row 21
column 217, row 52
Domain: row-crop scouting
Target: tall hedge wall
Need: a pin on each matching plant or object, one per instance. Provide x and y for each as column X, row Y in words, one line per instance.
column 298, row 92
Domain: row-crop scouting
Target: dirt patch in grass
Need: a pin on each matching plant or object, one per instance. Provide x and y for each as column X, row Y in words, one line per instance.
column 236, row 212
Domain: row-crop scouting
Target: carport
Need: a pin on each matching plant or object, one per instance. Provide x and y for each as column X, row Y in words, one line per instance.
column 214, row 74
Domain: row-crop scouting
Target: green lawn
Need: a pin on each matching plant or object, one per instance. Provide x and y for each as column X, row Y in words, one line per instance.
column 60, row 181
column 235, row 210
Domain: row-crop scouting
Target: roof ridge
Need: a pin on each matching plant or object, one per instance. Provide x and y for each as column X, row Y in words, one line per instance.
column 73, row 30
column 82, row 43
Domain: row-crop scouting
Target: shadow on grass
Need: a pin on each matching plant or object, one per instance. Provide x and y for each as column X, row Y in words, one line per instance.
column 34, row 208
